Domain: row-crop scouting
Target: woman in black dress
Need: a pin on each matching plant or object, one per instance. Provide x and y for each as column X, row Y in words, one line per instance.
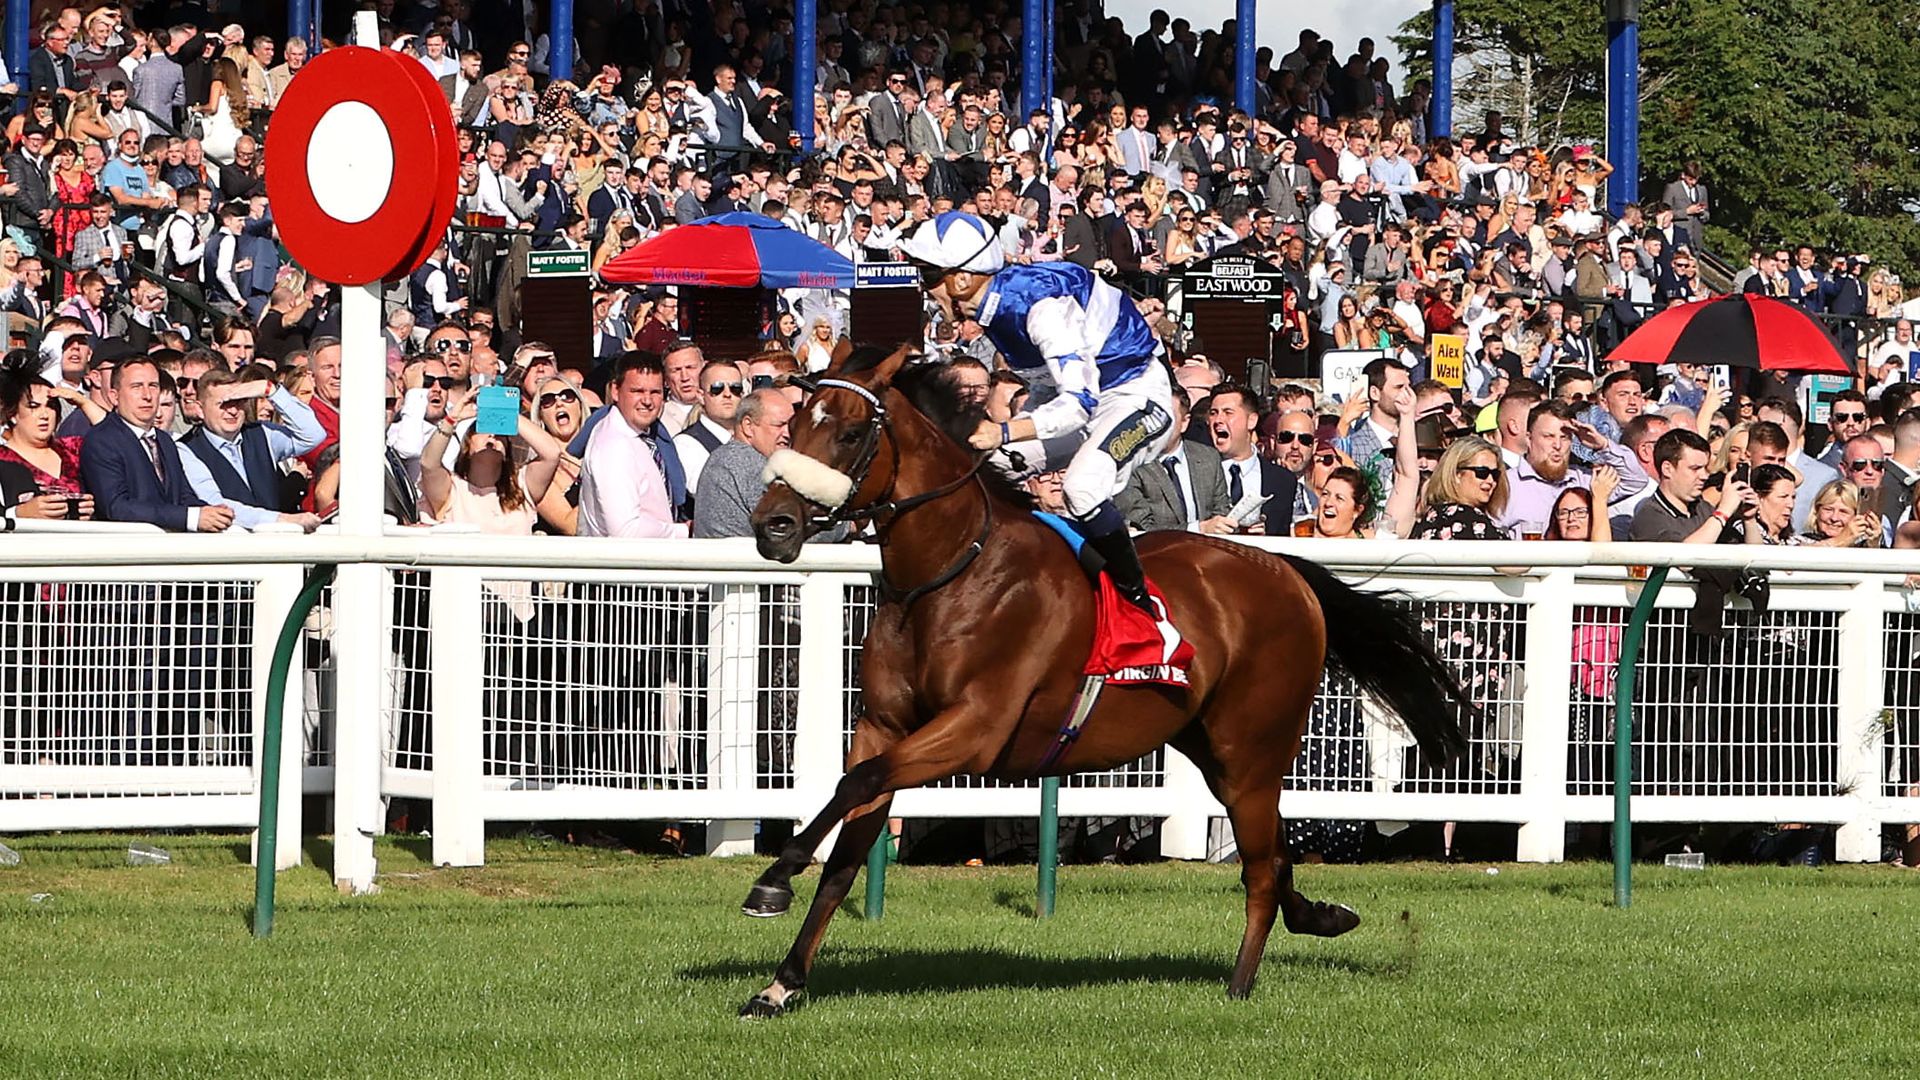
column 1467, row 491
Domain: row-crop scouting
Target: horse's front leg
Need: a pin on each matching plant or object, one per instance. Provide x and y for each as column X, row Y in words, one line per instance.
column 961, row 739
column 772, row 892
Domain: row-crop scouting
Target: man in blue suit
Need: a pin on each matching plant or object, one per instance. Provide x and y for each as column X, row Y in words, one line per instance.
column 134, row 470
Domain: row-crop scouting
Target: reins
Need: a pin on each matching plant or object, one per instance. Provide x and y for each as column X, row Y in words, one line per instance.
column 886, row 511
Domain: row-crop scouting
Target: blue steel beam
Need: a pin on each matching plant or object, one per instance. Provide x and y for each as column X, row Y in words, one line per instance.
column 1440, row 109
column 806, row 56
column 1623, row 103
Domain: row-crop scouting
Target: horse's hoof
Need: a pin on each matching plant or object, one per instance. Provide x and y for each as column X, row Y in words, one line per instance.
column 1325, row 920
column 761, row 1007
column 766, row 901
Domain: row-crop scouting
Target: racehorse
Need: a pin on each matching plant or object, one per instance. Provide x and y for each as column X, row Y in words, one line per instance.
column 974, row 657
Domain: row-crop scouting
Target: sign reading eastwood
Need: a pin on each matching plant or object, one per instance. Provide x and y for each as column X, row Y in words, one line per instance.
column 1234, row 276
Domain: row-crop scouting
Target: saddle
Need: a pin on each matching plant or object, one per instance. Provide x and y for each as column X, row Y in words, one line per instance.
column 1129, row 646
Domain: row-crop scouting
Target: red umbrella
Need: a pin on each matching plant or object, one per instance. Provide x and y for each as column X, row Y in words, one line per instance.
column 1743, row 330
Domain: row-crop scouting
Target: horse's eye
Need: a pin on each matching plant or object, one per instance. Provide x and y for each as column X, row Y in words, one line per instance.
column 849, row 437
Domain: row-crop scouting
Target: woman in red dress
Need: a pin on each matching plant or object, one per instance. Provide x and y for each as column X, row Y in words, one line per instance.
column 30, row 409
column 73, row 188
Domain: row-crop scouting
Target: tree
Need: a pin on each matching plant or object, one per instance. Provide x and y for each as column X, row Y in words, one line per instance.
column 1806, row 118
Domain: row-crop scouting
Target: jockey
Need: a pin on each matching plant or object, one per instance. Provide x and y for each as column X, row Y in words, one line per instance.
column 1113, row 382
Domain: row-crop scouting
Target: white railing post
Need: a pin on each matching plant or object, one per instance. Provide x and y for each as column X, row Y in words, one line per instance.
column 360, row 649
column 1183, row 835
column 273, row 598
column 457, row 618
column 1546, row 716
column 1859, row 770
column 733, row 685
column 818, row 759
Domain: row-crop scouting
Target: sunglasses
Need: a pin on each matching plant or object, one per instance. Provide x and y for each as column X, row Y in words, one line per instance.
column 1288, row 438
column 444, row 382
column 1326, row 459
column 450, row 344
column 1482, row 472
column 548, row 401
column 1876, row 464
column 392, row 401
column 1848, row 417
column 734, row 388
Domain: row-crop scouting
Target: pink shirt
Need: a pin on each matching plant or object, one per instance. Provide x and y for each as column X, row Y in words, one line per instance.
column 622, row 490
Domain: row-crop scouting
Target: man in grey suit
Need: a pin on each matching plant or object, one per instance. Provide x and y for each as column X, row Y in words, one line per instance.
column 887, row 112
column 1691, row 207
column 967, row 142
column 1183, row 488
column 924, row 135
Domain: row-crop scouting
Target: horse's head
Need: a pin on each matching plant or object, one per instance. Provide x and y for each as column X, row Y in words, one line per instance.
column 834, row 469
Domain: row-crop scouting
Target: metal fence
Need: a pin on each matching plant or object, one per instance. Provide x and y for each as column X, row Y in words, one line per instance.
column 518, row 687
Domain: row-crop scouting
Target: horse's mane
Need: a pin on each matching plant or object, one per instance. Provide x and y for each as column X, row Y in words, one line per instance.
column 932, row 391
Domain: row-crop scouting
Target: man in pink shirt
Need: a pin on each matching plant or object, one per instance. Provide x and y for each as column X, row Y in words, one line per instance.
column 623, row 485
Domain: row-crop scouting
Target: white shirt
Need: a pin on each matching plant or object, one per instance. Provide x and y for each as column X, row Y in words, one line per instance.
column 693, row 456
column 1249, row 477
column 622, row 490
column 1188, row 508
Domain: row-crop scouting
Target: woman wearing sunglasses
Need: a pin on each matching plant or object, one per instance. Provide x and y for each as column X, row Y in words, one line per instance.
column 1467, row 491
column 485, row 488
column 557, row 404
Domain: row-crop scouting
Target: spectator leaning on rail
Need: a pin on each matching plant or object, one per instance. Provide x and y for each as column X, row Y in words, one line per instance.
column 735, row 472
column 233, row 459
column 625, row 479
column 1545, row 471
column 133, row 469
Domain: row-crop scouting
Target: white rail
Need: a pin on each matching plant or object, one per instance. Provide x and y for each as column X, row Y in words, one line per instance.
column 541, row 679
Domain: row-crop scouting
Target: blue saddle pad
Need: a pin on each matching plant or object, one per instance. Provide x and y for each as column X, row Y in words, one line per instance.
column 1065, row 528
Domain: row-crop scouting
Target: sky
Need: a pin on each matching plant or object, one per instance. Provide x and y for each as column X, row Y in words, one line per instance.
column 1280, row 21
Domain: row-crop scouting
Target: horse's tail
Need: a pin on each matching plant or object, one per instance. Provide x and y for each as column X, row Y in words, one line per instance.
column 1382, row 647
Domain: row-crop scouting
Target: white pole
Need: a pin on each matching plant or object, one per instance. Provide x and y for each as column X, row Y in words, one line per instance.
column 359, row 644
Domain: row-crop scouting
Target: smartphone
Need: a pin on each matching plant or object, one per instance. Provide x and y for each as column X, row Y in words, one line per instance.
column 73, row 508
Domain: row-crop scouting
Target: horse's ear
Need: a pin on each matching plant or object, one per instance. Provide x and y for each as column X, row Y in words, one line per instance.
column 888, row 368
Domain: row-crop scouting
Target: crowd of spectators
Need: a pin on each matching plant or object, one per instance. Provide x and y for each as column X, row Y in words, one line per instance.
column 170, row 366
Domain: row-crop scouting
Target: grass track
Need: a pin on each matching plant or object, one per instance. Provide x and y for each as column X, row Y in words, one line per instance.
column 567, row 961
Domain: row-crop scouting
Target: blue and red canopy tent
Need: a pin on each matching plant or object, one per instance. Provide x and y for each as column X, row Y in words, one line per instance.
column 736, row 251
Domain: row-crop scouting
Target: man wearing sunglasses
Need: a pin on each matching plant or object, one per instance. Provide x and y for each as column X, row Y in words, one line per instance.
column 422, row 407
column 1849, row 419
column 722, row 386
column 450, row 345
column 1286, row 439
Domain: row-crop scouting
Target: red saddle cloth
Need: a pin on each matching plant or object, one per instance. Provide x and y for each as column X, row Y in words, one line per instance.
column 1130, row 646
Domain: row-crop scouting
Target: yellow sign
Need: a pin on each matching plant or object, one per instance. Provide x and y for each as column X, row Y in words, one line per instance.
column 1448, row 358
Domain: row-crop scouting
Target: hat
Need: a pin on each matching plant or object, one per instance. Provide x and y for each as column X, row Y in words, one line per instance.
column 956, row 241
column 1558, row 239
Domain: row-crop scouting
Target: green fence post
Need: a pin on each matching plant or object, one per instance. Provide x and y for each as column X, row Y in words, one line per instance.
column 877, row 875
column 1623, row 736
column 267, row 855
column 1049, row 846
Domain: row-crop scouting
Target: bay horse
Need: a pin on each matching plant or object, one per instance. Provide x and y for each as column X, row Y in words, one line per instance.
column 975, row 654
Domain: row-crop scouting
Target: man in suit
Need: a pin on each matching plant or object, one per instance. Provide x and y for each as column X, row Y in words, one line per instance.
column 133, row 469
column 730, row 116
column 966, row 147
column 465, row 90
column 887, row 112
column 1688, row 198
column 610, row 196
column 1183, row 488
column 1130, row 246
column 1241, row 168
column 294, row 57
column 925, row 138
column 50, row 68
column 233, row 460
column 1806, row 282
column 27, row 195
column 1233, row 414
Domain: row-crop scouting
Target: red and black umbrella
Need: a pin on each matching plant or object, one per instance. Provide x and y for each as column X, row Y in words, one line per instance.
column 1742, row 330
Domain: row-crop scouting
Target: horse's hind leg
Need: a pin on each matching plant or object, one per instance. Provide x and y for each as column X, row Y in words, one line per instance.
column 836, row 880
column 1256, row 829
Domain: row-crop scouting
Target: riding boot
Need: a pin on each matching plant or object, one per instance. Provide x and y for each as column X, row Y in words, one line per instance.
column 1123, row 567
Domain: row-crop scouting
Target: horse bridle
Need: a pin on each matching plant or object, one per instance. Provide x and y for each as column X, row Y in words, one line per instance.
column 883, row 510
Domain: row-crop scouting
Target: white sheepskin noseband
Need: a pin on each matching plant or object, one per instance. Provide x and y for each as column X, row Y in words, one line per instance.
column 810, row 478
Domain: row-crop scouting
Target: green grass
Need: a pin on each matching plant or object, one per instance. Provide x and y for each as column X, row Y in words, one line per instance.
column 555, row 960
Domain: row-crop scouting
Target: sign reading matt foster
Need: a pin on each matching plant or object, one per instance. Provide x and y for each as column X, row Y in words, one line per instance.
column 1234, row 277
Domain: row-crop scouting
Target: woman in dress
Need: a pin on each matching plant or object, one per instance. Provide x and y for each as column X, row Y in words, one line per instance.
column 1467, row 491
column 225, row 114
column 651, row 118
column 30, row 412
column 72, row 191
column 556, row 404
column 483, row 488
column 1352, row 331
